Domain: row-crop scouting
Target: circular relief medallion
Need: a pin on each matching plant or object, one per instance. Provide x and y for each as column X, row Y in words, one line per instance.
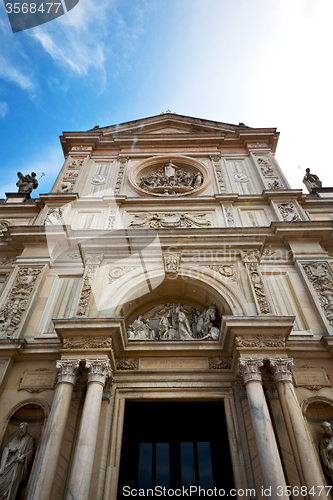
column 163, row 176
column 241, row 177
column 99, row 179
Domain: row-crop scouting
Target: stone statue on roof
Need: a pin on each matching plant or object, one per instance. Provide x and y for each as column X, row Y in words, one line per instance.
column 26, row 183
column 311, row 180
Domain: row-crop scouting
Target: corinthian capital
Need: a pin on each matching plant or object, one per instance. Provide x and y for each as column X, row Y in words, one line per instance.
column 68, row 370
column 99, row 370
column 250, row 369
column 280, row 368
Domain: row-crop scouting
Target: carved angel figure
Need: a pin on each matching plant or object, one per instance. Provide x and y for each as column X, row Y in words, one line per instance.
column 311, row 180
column 14, row 463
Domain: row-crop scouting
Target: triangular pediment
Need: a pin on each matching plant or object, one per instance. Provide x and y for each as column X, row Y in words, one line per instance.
column 169, row 123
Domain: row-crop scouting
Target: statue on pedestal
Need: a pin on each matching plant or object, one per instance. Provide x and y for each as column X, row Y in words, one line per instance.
column 14, row 463
column 326, row 448
column 311, row 180
column 26, row 183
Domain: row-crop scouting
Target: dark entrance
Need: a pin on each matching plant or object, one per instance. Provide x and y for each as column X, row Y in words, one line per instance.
column 174, row 445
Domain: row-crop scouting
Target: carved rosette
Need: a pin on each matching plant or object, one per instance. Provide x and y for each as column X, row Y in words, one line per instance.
column 87, row 343
column 249, row 369
column 128, row 364
column 280, row 368
column 219, row 363
column 320, row 277
column 288, row 212
column 68, row 369
column 99, row 370
column 93, row 263
column 251, row 261
column 16, row 303
column 171, row 263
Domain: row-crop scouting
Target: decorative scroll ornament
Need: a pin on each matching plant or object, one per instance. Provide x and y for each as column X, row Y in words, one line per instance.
column 251, row 259
column 249, row 369
column 229, row 215
column 112, row 219
column 4, row 225
column 219, row 363
column 320, row 277
column 99, row 370
column 12, row 311
column 93, row 262
column 171, row 263
column 171, row 179
column 260, row 341
column 128, row 364
column 68, row 369
column 175, row 322
column 120, row 175
column 218, row 172
column 87, row 343
column 170, row 220
column 288, row 211
column 53, row 217
column 280, row 368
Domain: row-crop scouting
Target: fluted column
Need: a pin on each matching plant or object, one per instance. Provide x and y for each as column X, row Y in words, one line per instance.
column 45, row 470
column 307, row 459
column 79, row 483
column 269, row 458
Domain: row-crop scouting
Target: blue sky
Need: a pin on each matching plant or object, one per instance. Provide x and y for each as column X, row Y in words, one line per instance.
column 267, row 63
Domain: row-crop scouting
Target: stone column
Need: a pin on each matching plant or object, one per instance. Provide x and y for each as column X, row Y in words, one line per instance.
column 306, row 458
column 45, row 469
column 269, row 458
column 79, row 482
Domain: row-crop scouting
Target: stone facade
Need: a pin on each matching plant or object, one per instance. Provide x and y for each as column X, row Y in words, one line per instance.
column 171, row 261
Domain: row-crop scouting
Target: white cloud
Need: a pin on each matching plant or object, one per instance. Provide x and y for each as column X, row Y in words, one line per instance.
column 12, row 73
column 3, row 109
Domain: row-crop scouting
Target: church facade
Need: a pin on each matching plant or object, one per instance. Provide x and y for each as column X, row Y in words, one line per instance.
column 166, row 316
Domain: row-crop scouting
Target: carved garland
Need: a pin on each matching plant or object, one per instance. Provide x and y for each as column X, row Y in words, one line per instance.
column 167, row 220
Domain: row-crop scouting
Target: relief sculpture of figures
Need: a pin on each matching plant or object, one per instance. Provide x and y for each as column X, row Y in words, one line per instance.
column 175, row 322
column 26, row 183
column 326, row 448
column 170, row 179
column 311, row 180
column 14, row 463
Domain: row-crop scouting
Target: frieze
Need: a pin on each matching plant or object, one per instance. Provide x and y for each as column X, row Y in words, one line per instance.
column 260, row 341
column 319, row 275
column 170, row 220
column 87, row 343
column 288, row 212
column 15, row 305
column 128, row 364
column 219, row 363
column 175, row 322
